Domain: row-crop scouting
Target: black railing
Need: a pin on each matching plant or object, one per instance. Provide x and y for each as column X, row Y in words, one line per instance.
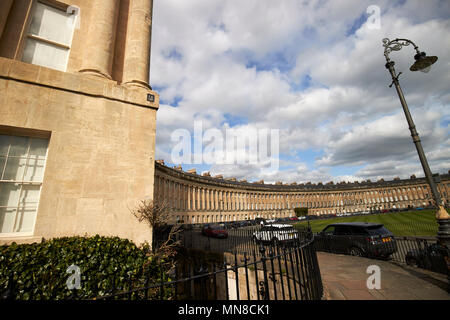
column 239, row 267
column 273, row 272
column 240, row 240
column 422, row 252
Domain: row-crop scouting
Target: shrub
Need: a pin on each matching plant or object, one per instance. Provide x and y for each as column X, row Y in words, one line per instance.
column 39, row 270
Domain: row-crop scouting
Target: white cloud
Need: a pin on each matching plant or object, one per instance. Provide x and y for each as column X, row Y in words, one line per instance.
column 242, row 64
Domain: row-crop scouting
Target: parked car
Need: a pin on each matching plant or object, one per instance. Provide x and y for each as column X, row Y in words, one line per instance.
column 357, row 239
column 431, row 257
column 187, row 227
column 215, row 230
column 275, row 234
column 260, row 220
column 234, row 225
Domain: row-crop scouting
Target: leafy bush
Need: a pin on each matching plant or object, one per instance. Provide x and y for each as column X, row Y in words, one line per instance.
column 39, row 270
column 299, row 212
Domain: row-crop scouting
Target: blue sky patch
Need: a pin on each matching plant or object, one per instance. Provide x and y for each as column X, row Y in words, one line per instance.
column 357, row 24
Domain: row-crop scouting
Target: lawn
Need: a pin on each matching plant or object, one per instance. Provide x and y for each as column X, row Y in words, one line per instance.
column 410, row 223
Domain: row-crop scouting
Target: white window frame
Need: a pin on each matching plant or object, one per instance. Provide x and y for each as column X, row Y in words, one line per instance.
column 58, row 6
column 21, row 183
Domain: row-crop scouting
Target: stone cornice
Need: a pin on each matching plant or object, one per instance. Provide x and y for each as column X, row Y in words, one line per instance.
column 200, row 180
column 76, row 83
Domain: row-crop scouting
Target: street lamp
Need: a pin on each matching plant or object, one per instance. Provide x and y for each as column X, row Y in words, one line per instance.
column 422, row 63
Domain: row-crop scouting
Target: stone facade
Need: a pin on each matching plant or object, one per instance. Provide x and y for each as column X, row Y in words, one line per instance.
column 96, row 114
column 201, row 198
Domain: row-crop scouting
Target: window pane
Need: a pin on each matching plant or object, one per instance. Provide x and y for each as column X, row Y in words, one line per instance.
column 35, row 170
column 14, row 169
column 45, row 54
column 30, row 196
column 2, row 166
column 38, row 148
column 19, row 147
column 52, row 24
column 9, row 194
column 4, row 145
column 7, row 219
column 19, row 165
column 25, row 219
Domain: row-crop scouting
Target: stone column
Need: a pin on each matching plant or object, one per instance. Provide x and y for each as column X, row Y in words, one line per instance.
column 176, row 190
column 188, row 198
column 184, row 196
column 197, row 198
column 216, row 200
column 98, row 55
column 194, row 198
column 203, row 197
column 5, row 6
column 161, row 190
column 137, row 44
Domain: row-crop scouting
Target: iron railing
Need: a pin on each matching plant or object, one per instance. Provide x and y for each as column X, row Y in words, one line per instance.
column 421, row 252
column 240, row 240
column 273, row 272
column 235, row 268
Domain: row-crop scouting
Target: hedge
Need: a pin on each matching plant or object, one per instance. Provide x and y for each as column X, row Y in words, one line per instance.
column 39, row 270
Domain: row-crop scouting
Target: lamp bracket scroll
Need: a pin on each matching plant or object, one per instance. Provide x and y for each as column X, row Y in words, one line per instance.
column 396, row 45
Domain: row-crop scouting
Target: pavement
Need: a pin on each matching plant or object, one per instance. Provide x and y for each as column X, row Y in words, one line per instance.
column 345, row 278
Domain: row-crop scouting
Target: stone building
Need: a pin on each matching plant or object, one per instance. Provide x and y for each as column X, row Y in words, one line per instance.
column 196, row 198
column 77, row 118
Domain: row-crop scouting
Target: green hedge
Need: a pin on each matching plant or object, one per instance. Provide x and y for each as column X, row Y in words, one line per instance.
column 39, row 269
column 300, row 212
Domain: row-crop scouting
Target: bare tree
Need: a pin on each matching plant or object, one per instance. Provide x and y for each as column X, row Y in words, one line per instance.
column 158, row 216
column 154, row 213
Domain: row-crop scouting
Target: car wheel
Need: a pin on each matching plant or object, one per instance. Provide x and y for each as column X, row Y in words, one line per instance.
column 275, row 242
column 412, row 262
column 356, row 252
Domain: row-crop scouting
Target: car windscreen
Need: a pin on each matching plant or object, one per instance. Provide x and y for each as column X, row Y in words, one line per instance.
column 378, row 231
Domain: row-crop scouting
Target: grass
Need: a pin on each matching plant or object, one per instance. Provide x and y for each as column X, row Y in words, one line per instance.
column 410, row 223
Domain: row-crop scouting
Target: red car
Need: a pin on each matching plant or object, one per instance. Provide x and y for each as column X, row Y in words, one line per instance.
column 215, row 230
column 293, row 218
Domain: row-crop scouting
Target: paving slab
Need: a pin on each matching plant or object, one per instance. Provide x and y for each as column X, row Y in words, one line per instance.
column 345, row 278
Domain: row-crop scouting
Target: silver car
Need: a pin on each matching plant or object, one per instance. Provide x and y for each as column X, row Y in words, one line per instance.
column 275, row 233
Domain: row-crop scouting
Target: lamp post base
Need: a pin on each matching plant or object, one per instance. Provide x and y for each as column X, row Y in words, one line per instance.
column 443, row 238
column 443, row 234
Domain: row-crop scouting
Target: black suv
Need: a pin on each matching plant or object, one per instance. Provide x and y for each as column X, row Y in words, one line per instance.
column 358, row 239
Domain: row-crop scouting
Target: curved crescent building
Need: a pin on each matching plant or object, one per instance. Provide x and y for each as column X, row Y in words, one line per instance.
column 195, row 198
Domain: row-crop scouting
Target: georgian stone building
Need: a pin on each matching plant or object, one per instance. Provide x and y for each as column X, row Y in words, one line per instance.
column 201, row 198
column 77, row 118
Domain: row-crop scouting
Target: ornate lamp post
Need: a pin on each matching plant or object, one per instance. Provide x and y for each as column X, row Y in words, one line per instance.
column 422, row 63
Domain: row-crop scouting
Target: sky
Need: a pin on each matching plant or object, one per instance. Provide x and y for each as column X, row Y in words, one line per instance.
column 313, row 71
